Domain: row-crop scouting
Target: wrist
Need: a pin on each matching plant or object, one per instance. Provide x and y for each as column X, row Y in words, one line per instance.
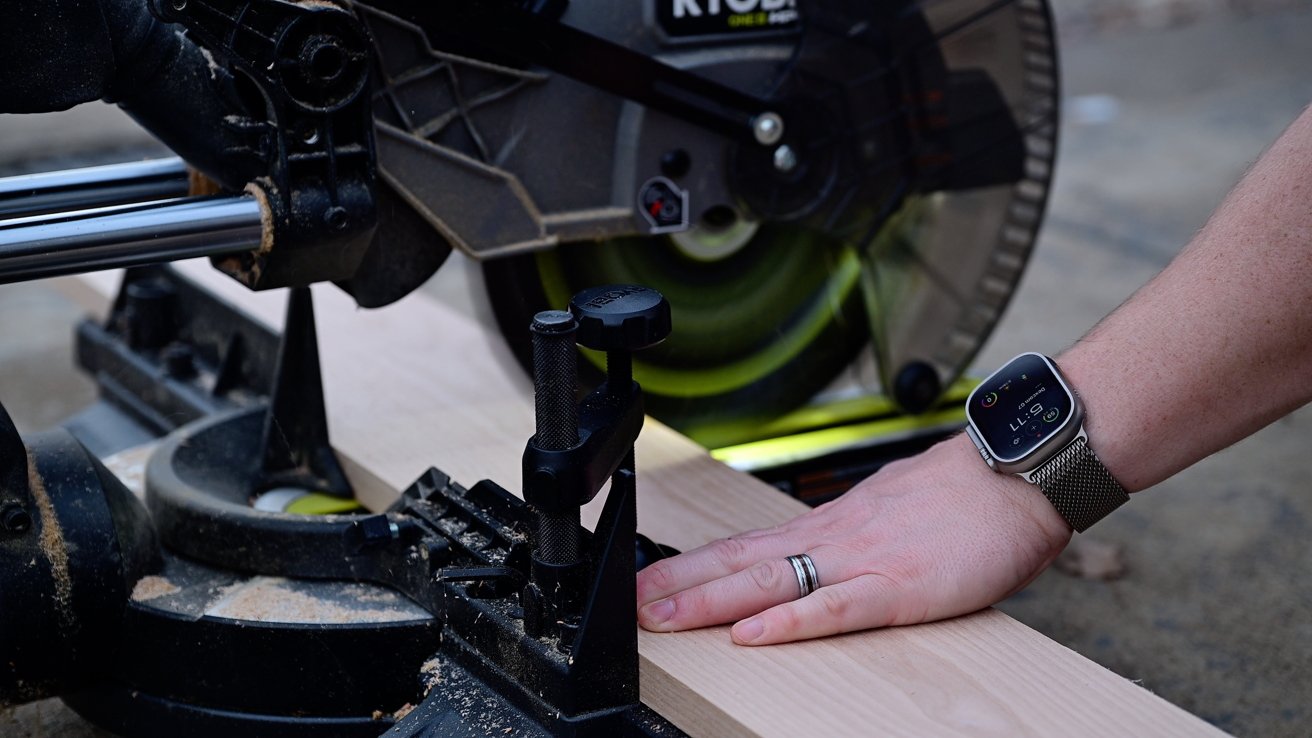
column 1109, row 426
column 961, row 460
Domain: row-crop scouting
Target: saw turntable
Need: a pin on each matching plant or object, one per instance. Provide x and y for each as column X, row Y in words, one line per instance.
column 830, row 202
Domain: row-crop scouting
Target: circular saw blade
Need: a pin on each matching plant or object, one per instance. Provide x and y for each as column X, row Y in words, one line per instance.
column 757, row 332
column 939, row 273
column 918, row 268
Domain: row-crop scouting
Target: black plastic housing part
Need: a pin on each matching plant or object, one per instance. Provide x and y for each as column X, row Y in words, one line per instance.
column 73, row 542
column 301, row 75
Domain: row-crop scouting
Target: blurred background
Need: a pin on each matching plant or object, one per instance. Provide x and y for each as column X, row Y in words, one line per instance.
column 1197, row 589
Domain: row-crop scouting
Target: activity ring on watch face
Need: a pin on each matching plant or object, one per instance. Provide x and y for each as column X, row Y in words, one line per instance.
column 1020, row 407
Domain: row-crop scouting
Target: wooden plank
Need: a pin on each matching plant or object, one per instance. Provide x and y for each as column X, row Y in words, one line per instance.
column 420, row 384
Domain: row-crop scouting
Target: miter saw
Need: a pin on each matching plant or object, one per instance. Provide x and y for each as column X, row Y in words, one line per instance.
column 838, row 198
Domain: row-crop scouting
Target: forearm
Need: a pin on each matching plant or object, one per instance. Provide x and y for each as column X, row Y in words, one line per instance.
column 1220, row 343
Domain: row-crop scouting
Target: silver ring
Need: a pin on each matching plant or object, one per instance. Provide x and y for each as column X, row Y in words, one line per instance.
column 808, row 580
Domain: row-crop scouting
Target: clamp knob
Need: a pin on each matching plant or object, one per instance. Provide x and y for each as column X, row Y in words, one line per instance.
column 622, row 317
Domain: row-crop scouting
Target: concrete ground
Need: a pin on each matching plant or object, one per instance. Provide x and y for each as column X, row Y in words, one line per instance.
column 1167, row 102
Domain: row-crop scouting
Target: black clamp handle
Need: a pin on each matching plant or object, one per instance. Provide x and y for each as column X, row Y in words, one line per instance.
column 578, row 447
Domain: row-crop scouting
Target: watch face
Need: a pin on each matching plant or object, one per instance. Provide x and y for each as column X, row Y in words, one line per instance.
column 1019, row 407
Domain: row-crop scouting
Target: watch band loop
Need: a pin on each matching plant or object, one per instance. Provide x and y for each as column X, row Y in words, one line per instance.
column 1079, row 486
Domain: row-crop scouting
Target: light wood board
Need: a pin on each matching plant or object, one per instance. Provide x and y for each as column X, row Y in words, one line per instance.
column 419, row 384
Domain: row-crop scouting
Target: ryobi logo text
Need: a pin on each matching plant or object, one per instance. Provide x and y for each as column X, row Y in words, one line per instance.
column 682, row 18
column 685, row 8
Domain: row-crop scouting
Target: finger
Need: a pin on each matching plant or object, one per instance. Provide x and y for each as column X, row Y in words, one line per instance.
column 716, row 559
column 759, row 532
column 867, row 601
column 805, row 521
column 748, row 592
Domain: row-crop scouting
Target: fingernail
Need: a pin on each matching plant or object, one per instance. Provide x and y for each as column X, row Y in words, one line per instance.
column 748, row 631
column 659, row 611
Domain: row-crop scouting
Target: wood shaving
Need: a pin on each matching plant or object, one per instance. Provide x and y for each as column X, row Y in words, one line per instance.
column 151, row 587
column 431, row 673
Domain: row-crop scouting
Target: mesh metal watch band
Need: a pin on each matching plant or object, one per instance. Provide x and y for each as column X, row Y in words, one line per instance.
column 1079, row 486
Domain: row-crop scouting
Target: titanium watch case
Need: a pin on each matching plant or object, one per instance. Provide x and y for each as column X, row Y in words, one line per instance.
column 1072, row 427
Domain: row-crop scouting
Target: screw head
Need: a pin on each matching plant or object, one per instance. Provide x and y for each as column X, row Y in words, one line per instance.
column 768, row 128
column 15, row 519
column 785, row 159
column 336, row 218
column 675, row 163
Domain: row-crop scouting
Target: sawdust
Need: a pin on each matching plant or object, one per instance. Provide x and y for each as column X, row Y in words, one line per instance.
column 266, row 215
column 152, row 587
column 383, row 596
column 247, row 266
column 401, row 712
column 199, row 185
column 129, row 467
column 406, row 709
column 52, row 545
column 431, row 672
column 274, row 600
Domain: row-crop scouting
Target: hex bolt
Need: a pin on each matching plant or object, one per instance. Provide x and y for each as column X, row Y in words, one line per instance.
column 768, row 128
column 785, row 159
column 15, row 519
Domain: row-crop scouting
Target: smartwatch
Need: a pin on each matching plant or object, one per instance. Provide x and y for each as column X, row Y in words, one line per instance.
column 1026, row 420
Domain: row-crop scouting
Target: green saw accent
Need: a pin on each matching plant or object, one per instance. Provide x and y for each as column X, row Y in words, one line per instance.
column 803, row 446
column 317, row 503
column 724, row 378
column 852, row 410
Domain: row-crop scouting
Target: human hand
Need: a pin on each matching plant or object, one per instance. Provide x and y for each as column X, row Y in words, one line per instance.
column 927, row 538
